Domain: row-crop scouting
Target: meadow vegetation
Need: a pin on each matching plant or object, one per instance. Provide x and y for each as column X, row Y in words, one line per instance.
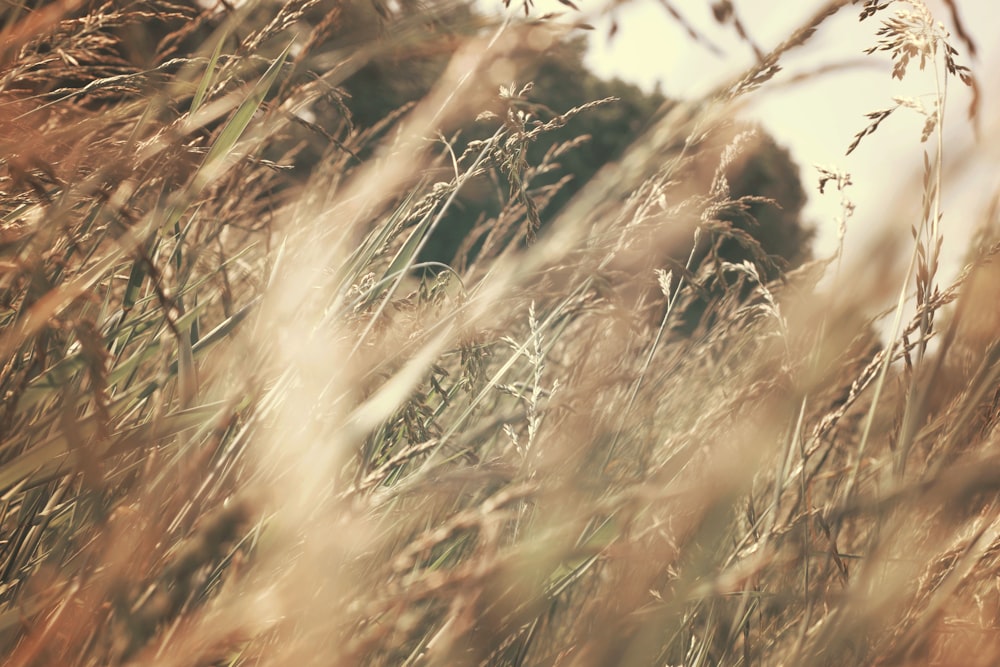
column 248, row 419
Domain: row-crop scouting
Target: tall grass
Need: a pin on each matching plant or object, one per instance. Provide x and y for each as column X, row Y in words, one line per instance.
column 244, row 424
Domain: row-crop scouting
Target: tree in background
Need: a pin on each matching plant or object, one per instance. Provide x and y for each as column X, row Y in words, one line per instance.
column 561, row 82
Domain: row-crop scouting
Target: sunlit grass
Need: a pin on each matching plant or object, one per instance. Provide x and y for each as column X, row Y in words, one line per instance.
column 246, row 422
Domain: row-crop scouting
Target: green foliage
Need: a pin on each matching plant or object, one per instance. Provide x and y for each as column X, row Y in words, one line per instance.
column 768, row 173
column 598, row 138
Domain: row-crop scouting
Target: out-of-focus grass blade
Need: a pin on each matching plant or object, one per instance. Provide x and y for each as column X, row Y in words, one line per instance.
column 137, row 276
column 211, row 338
column 59, row 374
column 50, row 458
column 26, row 609
column 16, row 213
column 52, row 303
column 187, row 376
column 367, row 416
column 234, row 129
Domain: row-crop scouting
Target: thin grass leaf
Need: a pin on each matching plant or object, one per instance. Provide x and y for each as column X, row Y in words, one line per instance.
column 206, row 79
column 52, row 457
column 237, row 125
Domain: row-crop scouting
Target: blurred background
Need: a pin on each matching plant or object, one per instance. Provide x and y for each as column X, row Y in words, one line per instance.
column 829, row 83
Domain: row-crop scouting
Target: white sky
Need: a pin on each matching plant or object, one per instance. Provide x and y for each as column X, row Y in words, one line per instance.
column 817, row 120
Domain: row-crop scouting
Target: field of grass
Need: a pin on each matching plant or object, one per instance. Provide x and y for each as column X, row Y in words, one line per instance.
column 244, row 423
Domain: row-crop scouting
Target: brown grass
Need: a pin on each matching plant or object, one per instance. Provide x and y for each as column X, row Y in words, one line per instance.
column 240, row 426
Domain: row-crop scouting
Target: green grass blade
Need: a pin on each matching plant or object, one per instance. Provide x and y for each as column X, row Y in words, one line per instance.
column 206, row 80
column 237, row 125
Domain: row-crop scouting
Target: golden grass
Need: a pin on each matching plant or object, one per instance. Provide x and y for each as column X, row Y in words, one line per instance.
column 242, row 426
